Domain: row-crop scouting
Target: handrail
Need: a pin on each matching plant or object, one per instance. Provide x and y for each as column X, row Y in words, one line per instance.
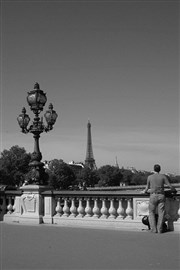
column 101, row 193
column 13, row 192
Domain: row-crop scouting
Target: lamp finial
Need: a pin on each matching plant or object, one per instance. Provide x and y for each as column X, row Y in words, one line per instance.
column 36, row 86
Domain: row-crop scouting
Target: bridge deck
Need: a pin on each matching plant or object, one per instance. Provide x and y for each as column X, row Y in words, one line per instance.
column 50, row 247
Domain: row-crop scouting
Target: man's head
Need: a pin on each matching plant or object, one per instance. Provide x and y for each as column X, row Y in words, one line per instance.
column 157, row 168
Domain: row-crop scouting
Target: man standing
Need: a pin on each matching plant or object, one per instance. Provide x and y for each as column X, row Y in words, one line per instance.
column 156, row 184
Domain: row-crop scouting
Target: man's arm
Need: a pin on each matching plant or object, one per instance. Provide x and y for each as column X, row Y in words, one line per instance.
column 147, row 186
column 169, row 184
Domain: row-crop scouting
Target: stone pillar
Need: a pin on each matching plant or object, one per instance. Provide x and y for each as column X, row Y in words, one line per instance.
column 49, row 208
column 32, row 204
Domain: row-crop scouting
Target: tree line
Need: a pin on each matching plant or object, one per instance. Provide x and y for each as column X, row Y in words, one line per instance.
column 14, row 170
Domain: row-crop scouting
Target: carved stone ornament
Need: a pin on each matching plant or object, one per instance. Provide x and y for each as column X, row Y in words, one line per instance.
column 142, row 208
column 29, row 203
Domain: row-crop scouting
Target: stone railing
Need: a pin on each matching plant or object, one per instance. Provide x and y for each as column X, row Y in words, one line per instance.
column 7, row 199
column 116, row 208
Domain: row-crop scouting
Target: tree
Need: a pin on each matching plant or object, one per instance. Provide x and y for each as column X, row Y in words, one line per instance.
column 175, row 179
column 109, row 176
column 14, row 164
column 87, row 177
column 61, row 176
column 127, row 176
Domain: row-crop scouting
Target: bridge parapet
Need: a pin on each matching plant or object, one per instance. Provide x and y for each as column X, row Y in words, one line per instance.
column 118, row 209
column 113, row 208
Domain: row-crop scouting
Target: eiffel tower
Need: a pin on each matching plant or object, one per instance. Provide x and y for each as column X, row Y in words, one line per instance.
column 89, row 161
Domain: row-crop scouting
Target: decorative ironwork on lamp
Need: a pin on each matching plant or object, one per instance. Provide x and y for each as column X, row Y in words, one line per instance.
column 50, row 117
column 23, row 120
column 37, row 99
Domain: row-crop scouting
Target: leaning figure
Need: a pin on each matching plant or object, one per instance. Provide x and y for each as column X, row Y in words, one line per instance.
column 156, row 183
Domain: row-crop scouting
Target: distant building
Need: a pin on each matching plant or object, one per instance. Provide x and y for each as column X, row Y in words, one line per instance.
column 46, row 164
column 132, row 169
column 76, row 166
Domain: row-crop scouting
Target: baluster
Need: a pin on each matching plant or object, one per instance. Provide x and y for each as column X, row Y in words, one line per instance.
column 129, row 210
column 58, row 208
column 104, row 210
column 66, row 208
column 112, row 210
column 88, row 209
column 179, row 211
column 80, row 209
column 14, row 205
column 73, row 209
column 120, row 210
column 10, row 206
column 96, row 210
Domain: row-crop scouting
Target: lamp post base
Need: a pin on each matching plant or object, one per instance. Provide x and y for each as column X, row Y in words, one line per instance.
column 32, row 204
column 29, row 207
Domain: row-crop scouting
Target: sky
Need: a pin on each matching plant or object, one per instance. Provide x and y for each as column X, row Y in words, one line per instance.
column 115, row 63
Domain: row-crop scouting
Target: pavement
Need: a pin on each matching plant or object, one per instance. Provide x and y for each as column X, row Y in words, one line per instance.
column 51, row 247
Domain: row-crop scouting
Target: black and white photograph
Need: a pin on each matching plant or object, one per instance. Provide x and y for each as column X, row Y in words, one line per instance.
column 89, row 134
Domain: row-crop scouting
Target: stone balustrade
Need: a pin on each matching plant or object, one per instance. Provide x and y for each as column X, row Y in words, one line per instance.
column 7, row 202
column 90, row 208
column 116, row 209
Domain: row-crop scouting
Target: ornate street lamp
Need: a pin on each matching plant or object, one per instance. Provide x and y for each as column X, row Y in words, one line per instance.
column 36, row 100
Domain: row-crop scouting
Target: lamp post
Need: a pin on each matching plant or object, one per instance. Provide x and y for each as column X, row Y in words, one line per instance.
column 36, row 100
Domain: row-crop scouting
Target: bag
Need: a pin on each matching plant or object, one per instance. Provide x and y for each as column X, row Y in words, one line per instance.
column 145, row 221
